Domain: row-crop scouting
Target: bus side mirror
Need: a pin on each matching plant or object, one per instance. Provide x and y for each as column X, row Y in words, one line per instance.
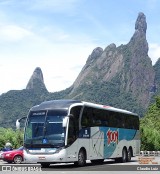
column 65, row 121
column 17, row 124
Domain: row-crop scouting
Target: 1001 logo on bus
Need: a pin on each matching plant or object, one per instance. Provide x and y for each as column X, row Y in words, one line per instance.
column 112, row 136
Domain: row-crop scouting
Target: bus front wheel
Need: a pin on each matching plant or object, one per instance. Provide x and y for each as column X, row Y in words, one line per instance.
column 81, row 158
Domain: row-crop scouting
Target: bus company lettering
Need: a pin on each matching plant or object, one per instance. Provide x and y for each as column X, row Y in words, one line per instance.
column 112, row 136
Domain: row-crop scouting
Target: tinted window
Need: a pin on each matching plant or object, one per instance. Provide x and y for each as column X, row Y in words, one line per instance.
column 99, row 117
column 87, row 120
column 73, row 124
column 75, row 111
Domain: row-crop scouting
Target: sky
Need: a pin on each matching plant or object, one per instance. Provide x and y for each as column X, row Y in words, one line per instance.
column 59, row 35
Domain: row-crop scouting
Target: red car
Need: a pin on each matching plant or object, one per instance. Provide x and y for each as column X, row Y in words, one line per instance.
column 15, row 156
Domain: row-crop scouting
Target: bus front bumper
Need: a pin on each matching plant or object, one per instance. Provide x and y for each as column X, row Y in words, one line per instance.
column 45, row 158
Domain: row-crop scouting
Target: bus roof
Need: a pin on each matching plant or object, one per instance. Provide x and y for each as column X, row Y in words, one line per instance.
column 55, row 104
column 105, row 107
column 66, row 104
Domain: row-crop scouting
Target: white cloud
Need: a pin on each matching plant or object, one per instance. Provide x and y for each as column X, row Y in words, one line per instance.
column 55, row 6
column 13, row 33
column 154, row 52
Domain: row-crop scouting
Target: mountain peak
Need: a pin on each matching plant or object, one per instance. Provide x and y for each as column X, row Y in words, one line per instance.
column 141, row 24
column 36, row 80
column 138, row 40
column 97, row 52
column 126, row 70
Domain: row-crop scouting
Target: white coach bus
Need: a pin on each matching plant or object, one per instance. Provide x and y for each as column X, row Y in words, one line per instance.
column 75, row 131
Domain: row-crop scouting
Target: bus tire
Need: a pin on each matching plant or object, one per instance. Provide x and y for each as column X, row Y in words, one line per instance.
column 45, row 165
column 129, row 155
column 124, row 155
column 81, row 158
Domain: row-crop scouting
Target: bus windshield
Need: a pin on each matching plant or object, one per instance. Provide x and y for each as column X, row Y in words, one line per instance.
column 44, row 129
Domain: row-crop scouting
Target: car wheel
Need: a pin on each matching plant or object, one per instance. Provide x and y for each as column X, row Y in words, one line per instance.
column 17, row 159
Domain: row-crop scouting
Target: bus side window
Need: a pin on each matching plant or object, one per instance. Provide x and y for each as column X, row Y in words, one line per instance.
column 75, row 111
column 98, row 123
column 86, row 117
column 85, row 121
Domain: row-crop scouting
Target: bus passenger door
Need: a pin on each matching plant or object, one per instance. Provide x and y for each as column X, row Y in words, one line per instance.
column 72, row 141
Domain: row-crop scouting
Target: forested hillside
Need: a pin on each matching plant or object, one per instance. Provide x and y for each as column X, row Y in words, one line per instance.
column 150, row 127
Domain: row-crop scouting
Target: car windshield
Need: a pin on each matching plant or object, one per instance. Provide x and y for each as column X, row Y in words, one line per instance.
column 45, row 128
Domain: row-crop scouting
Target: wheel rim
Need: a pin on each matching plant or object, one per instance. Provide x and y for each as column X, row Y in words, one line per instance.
column 81, row 158
column 129, row 155
column 18, row 159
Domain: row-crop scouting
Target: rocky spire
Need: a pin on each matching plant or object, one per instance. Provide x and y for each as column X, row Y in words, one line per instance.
column 36, row 81
column 139, row 36
column 141, row 24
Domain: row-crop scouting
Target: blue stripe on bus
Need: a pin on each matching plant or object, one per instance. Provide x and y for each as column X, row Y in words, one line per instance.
column 112, row 136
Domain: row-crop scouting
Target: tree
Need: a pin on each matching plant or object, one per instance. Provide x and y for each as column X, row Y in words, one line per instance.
column 14, row 136
column 150, row 127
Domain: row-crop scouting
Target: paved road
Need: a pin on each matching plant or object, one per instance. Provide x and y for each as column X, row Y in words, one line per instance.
column 108, row 166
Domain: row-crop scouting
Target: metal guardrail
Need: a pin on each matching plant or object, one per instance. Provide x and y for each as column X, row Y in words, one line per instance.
column 149, row 153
